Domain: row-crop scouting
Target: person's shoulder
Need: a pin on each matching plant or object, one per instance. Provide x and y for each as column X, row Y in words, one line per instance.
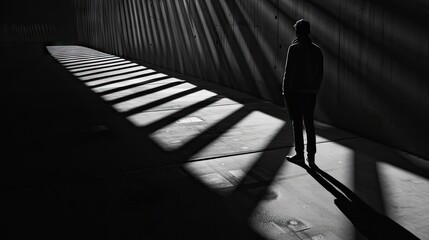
column 294, row 45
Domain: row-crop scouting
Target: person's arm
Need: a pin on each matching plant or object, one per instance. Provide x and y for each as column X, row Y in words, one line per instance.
column 320, row 72
column 289, row 70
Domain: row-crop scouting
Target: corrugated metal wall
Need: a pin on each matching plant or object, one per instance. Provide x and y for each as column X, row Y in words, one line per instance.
column 233, row 43
column 29, row 32
column 376, row 52
column 38, row 21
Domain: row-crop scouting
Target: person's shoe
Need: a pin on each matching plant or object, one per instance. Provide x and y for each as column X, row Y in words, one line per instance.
column 311, row 160
column 297, row 158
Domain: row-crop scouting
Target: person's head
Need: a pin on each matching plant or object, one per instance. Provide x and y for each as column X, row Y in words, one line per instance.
column 302, row 28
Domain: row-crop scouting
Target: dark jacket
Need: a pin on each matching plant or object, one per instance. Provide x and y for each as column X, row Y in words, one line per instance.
column 304, row 67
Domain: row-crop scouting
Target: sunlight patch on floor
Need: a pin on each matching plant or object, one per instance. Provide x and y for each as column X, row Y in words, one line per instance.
column 125, row 83
column 175, row 135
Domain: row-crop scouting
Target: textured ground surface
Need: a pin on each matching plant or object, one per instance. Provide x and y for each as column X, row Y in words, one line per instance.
column 98, row 146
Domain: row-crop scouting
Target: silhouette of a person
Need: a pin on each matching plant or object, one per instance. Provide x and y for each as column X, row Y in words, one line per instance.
column 301, row 83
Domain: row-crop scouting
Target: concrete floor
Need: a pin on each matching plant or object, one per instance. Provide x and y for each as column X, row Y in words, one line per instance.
column 102, row 147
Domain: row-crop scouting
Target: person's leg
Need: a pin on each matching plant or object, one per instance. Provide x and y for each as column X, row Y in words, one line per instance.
column 295, row 110
column 309, row 126
column 299, row 140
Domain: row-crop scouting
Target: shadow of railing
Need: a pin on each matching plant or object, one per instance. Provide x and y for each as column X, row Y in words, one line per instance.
column 183, row 154
column 126, row 88
column 84, row 66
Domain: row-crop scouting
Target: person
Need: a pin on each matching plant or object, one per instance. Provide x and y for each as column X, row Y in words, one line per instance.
column 301, row 82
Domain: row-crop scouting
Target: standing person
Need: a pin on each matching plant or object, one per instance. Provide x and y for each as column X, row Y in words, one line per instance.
column 301, row 83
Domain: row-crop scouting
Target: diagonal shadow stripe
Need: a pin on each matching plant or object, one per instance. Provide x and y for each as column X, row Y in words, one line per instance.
column 133, row 83
column 106, row 70
column 146, row 92
column 77, row 54
column 80, row 54
column 73, row 49
column 95, row 64
column 121, row 78
column 101, row 76
column 101, row 68
column 164, row 100
column 266, row 169
column 77, row 70
column 60, row 54
column 90, row 61
column 79, row 59
column 210, row 135
column 72, row 59
column 178, row 115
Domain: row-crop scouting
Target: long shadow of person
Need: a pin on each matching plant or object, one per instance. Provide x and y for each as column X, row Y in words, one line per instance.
column 367, row 220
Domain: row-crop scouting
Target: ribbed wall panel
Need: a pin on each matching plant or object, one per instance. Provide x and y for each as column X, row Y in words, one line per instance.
column 375, row 52
column 38, row 21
